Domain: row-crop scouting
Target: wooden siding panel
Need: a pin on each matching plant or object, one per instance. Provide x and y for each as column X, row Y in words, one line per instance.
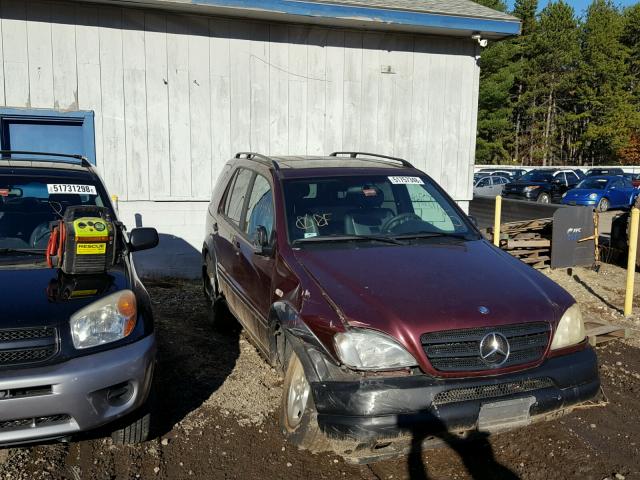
column 220, row 95
column 16, row 58
column 200, row 107
column 89, row 79
column 259, row 80
column 278, row 89
column 352, row 90
column 63, row 42
column 240, row 88
column 403, row 105
column 317, row 83
column 437, row 92
column 371, row 44
column 157, row 90
column 179, row 116
column 334, row 118
column 39, row 51
column 386, row 102
column 135, row 98
column 420, row 113
column 298, row 98
column 114, row 161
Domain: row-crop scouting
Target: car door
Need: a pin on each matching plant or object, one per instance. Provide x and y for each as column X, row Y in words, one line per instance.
column 233, row 273
column 260, row 261
column 619, row 195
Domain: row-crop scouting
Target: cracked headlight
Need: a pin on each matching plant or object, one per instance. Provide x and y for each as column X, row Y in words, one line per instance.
column 570, row 330
column 364, row 349
column 107, row 320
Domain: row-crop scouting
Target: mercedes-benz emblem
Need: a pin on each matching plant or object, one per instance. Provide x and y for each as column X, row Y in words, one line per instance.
column 494, row 349
column 483, row 310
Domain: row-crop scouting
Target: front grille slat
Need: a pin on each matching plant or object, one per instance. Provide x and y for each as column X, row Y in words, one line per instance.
column 459, row 350
column 34, row 422
column 27, row 346
column 482, row 392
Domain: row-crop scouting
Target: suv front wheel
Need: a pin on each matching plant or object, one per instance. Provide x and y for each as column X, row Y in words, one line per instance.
column 298, row 416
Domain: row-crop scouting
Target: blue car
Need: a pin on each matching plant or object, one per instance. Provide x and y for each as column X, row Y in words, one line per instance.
column 602, row 192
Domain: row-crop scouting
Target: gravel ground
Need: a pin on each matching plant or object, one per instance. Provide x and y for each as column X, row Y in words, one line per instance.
column 216, row 406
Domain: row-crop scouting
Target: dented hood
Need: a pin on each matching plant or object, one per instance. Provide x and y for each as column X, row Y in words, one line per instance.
column 432, row 285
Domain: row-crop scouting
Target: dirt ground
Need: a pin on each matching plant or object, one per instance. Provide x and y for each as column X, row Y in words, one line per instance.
column 216, row 406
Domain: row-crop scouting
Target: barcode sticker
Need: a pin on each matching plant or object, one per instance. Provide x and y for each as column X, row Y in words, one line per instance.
column 406, row 180
column 64, row 188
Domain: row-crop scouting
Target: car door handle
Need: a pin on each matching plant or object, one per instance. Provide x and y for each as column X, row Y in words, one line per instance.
column 215, row 228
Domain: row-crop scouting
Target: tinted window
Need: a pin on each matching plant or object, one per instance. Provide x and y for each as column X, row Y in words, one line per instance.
column 260, row 207
column 483, row 183
column 537, row 176
column 236, row 196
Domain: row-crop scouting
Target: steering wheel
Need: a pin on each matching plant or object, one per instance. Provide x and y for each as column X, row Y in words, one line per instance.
column 38, row 234
column 393, row 222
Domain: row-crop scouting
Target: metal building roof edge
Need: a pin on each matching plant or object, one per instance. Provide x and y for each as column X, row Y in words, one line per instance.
column 343, row 14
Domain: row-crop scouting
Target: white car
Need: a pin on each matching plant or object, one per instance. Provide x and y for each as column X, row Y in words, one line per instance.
column 490, row 186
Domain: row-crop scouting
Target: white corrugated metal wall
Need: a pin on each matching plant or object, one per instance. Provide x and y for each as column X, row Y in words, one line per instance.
column 176, row 95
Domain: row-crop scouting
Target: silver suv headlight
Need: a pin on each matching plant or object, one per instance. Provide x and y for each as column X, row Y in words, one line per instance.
column 110, row 319
column 363, row 349
column 570, row 330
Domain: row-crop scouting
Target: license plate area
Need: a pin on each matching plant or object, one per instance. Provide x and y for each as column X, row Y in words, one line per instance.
column 506, row 415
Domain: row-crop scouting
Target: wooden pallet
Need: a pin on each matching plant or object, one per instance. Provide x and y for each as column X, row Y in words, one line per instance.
column 599, row 331
column 528, row 240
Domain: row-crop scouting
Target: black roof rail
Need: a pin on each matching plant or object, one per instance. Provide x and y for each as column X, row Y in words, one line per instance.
column 375, row 155
column 8, row 153
column 258, row 157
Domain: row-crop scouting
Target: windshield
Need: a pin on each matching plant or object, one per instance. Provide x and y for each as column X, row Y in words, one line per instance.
column 369, row 206
column 593, row 183
column 540, row 177
column 29, row 204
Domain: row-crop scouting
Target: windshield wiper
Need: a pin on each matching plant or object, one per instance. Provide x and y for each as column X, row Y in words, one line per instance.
column 347, row 238
column 23, row 251
column 407, row 236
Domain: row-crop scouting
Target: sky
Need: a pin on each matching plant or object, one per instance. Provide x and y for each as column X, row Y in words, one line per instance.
column 578, row 5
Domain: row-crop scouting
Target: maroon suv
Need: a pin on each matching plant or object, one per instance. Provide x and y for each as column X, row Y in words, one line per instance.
column 385, row 308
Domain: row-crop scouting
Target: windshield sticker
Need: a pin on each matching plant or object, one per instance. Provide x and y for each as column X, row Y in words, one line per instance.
column 310, row 234
column 370, row 192
column 65, row 188
column 309, row 222
column 406, row 180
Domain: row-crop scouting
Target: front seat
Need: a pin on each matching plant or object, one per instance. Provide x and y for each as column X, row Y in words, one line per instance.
column 369, row 217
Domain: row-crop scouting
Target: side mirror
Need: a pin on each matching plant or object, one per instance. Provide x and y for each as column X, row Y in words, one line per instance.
column 143, row 239
column 261, row 241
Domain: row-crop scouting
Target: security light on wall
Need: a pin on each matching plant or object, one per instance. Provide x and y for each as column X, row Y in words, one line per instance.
column 483, row 42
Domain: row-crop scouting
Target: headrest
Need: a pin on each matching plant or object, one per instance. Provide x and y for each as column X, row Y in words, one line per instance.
column 299, row 190
column 366, row 196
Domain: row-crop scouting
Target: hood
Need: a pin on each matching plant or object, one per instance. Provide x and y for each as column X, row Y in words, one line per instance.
column 408, row 291
column 582, row 193
column 38, row 297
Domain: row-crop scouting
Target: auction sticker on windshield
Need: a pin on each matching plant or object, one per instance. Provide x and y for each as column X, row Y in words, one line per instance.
column 406, row 180
column 63, row 188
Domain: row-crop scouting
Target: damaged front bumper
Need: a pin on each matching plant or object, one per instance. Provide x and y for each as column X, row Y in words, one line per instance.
column 373, row 411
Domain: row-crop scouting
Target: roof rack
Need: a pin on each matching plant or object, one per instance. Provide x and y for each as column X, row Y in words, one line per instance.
column 386, row 157
column 258, row 157
column 82, row 158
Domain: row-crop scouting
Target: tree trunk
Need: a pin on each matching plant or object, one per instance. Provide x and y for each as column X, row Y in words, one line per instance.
column 547, row 127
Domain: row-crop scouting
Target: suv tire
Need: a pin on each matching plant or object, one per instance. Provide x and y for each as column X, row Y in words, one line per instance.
column 135, row 432
column 298, row 415
column 219, row 315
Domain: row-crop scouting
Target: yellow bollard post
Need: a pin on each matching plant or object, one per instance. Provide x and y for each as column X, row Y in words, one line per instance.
column 496, row 221
column 631, row 261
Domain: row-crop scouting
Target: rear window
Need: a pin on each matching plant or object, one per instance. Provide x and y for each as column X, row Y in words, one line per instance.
column 29, row 204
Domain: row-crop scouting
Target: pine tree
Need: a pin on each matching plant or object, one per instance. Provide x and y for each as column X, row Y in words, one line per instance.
column 606, row 105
